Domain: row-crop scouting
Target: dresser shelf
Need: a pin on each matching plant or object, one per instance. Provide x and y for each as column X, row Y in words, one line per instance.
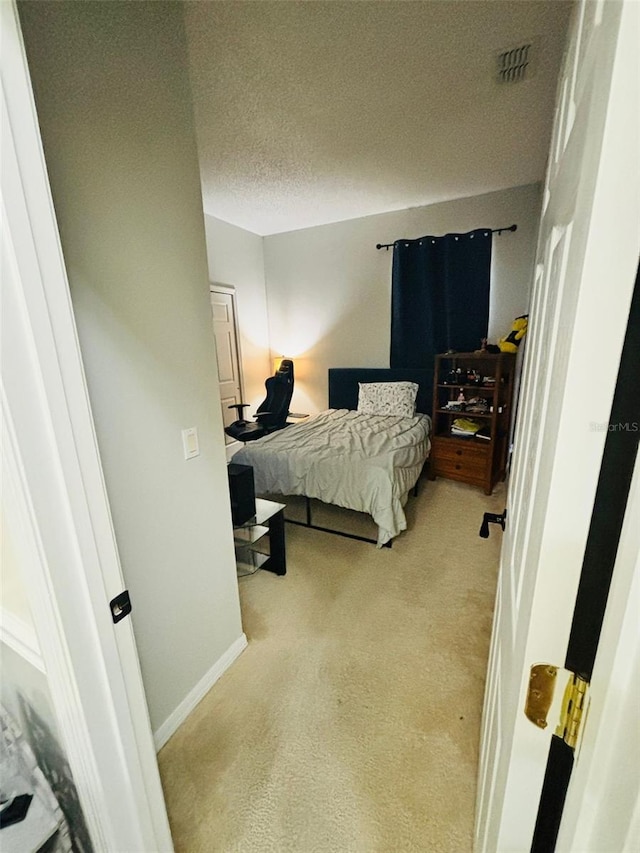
column 472, row 459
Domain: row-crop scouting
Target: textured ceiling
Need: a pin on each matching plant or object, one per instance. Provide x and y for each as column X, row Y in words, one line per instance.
column 315, row 111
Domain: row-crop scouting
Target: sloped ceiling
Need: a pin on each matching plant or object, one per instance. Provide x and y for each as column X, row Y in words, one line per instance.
column 315, row 111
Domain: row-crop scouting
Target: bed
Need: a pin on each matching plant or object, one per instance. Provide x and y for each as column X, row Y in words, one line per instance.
column 368, row 462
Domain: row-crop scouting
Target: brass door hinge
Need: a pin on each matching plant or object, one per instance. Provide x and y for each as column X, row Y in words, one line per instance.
column 573, row 702
column 540, row 696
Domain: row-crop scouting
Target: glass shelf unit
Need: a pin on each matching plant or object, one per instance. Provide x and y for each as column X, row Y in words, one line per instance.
column 265, row 530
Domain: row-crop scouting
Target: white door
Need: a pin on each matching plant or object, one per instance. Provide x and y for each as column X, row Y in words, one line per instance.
column 227, row 352
column 54, row 492
column 586, row 263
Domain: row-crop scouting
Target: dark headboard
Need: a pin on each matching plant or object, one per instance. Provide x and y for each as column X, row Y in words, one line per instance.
column 343, row 384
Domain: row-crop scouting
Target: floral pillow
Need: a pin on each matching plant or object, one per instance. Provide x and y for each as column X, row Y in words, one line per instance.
column 387, row 398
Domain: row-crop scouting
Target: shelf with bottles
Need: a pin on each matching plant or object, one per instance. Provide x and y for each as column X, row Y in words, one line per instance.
column 465, row 377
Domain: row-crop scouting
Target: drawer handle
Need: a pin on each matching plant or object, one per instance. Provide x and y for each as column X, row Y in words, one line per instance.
column 458, row 467
column 458, row 453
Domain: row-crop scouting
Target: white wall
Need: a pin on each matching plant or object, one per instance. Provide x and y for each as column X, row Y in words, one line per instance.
column 113, row 101
column 236, row 259
column 329, row 289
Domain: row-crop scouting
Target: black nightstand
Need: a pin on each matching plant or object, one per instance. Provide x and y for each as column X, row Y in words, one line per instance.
column 266, row 527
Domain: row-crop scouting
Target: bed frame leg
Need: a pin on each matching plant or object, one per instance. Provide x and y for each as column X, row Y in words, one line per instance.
column 309, row 523
column 417, row 483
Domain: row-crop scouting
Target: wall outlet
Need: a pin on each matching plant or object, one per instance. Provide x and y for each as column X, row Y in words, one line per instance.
column 190, row 442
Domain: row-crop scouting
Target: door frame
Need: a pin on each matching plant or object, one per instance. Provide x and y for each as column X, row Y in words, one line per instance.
column 56, row 502
column 602, row 808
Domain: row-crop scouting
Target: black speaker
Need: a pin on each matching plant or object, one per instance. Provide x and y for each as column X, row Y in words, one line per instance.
column 242, row 491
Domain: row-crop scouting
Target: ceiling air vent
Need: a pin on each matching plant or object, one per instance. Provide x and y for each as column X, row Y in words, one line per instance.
column 515, row 65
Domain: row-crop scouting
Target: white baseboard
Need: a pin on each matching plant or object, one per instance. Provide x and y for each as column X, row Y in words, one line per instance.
column 177, row 717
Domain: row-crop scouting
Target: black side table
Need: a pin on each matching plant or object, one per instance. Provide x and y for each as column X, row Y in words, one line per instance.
column 266, row 527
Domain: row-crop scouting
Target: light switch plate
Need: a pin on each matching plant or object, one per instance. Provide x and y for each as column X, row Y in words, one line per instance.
column 190, row 442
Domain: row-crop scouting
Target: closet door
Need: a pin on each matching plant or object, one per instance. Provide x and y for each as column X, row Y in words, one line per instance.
column 225, row 328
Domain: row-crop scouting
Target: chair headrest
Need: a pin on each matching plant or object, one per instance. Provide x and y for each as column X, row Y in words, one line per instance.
column 285, row 371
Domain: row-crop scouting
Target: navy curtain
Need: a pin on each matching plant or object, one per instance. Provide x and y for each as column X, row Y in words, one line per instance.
column 439, row 296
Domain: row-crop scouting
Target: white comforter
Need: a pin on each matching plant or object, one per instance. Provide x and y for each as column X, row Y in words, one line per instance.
column 363, row 462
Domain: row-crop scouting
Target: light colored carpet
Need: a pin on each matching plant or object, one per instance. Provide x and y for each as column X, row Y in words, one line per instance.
column 351, row 722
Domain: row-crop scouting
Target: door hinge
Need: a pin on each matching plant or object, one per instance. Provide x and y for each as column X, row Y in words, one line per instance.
column 573, row 704
column 540, row 696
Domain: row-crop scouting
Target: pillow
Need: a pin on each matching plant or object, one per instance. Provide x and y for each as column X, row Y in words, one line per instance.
column 387, row 398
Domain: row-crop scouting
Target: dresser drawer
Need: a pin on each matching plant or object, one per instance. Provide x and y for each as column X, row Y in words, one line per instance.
column 467, row 468
column 460, row 460
column 462, row 450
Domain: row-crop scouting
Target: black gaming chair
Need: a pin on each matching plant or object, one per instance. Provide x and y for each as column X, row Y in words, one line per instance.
column 272, row 413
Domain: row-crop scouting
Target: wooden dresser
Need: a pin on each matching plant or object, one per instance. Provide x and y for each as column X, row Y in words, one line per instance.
column 472, row 391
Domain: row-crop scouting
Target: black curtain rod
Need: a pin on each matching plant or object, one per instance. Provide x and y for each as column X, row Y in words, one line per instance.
column 388, row 246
